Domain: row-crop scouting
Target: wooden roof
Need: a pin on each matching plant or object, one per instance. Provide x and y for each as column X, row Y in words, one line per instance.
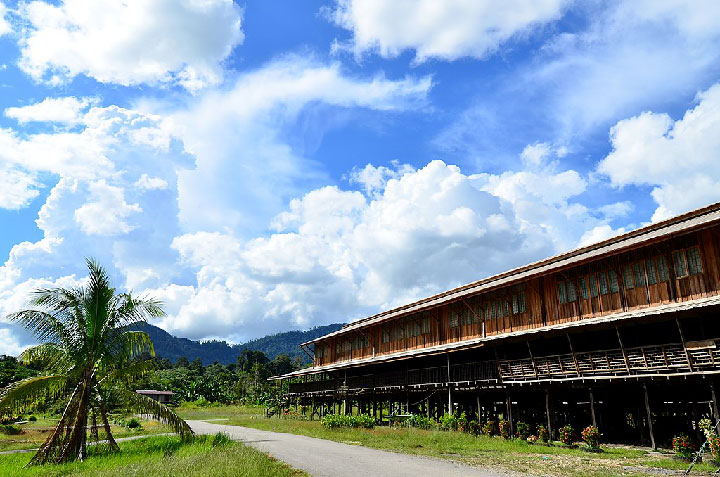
column 694, row 220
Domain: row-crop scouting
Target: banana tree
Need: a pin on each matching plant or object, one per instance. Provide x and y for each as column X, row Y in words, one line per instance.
column 87, row 349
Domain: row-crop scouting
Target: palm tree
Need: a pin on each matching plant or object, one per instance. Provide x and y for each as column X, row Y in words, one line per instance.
column 88, row 351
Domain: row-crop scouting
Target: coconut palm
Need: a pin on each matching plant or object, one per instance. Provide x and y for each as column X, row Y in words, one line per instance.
column 89, row 351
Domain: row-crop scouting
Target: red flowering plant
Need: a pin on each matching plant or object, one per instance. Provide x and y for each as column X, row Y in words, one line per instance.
column 591, row 437
column 567, row 434
column 542, row 434
column 683, row 446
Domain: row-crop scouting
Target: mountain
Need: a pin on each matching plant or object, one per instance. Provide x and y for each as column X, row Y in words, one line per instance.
column 172, row 348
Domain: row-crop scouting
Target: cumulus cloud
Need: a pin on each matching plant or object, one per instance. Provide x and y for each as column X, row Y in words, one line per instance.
column 129, row 43
column 106, row 211
column 677, row 158
column 17, row 187
column 67, row 110
column 5, row 26
column 445, row 30
column 151, row 183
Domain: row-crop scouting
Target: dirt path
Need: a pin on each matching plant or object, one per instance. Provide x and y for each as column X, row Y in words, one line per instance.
column 320, row 457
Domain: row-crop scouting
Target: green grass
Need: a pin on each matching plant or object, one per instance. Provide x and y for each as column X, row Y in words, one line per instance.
column 487, row 452
column 159, row 456
column 34, row 433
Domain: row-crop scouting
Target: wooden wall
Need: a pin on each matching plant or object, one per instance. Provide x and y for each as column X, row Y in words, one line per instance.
column 672, row 270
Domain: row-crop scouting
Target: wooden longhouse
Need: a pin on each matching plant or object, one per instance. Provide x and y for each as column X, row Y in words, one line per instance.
column 623, row 334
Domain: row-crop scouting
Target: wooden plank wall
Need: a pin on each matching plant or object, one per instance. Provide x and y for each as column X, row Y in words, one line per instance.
column 637, row 275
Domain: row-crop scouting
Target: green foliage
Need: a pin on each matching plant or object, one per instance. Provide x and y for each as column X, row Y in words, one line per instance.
column 505, row 431
column 420, row 422
column 10, row 429
column 221, row 439
column 11, row 370
column 542, row 434
column 32, row 418
column 591, row 437
column 683, row 446
column 490, row 428
column 449, row 422
column 567, row 434
column 522, row 430
column 337, row 421
column 133, row 423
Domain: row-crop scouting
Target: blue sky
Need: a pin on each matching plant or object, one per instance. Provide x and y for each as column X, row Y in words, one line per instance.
column 270, row 165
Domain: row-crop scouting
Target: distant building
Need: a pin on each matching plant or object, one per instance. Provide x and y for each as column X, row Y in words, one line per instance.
column 624, row 334
column 159, row 396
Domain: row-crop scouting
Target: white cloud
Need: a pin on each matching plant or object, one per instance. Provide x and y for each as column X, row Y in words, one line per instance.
column 5, row 26
column 151, row 183
column 129, row 43
column 106, row 211
column 373, row 179
column 678, row 158
column 9, row 343
column 67, row 110
column 445, row 30
column 17, row 187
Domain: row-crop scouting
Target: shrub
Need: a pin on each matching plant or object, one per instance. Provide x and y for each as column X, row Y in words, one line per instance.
column 473, row 428
column 336, row 421
column 10, row 429
column 449, row 422
column 714, row 444
column 532, row 439
column 591, row 436
column 542, row 434
column 490, row 428
column 134, row 424
column 505, row 429
column 220, row 439
column 567, row 434
column 420, row 422
column 683, row 446
column 462, row 423
column 32, row 418
column 522, row 430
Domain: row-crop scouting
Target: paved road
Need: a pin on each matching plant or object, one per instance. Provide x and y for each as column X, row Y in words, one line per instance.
column 320, row 457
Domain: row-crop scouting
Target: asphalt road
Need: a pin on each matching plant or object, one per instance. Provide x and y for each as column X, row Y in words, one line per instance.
column 320, row 457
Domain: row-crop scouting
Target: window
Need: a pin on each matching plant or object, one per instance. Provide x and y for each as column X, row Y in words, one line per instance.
column 366, row 342
column 416, row 329
column 487, row 311
column 639, row 274
column 506, row 308
column 592, row 279
column 338, row 348
column 400, row 332
column 583, row 289
column 650, row 270
column 680, row 265
column 426, row 326
column 627, row 276
column 612, row 277
column 453, row 319
column 521, row 302
column 662, row 269
column 515, row 308
column 562, row 296
column 571, row 292
column 385, row 335
column 494, row 309
column 693, row 261
column 603, row 284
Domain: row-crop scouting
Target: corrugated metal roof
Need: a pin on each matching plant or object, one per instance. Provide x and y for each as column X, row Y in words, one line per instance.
column 694, row 220
column 477, row 342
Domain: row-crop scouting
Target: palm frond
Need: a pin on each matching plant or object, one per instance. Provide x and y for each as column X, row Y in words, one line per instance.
column 127, row 374
column 20, row 395
column 144, row 405
column 48, row 356
column 45, row 326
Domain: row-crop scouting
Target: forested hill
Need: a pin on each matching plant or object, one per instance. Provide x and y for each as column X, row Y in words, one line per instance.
column 172, row 348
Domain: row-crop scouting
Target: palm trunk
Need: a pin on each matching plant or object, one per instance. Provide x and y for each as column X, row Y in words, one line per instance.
column 108, row 434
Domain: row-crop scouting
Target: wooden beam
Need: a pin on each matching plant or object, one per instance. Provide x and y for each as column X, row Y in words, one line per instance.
column 548, row 412
column 592, row 407
column 450, row 404
column 649, row 418
column 577, row 366
column 682, row 338
column 622, row 348
column 716, row 414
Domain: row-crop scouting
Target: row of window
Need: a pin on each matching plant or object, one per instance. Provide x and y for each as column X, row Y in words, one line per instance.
column 635, row 275
column 409, row 329
column 494, row 309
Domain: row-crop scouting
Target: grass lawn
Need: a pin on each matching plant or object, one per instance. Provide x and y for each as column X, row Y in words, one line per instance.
column 34, row 433
column 159, row 456
column 489, row 452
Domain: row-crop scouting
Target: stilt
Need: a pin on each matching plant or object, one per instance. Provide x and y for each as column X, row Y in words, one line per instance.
column 450, row 403
column 592, row 407
column 649, row 418
column 716, row 415
column 479, row 409
column 508, row 406
column 548, row 412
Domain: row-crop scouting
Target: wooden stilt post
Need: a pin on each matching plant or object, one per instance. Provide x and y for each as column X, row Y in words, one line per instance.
column 479, row 409
column 450, row 403
column 508, row 405
column 649, row 418
column 716, row 414
column 592, row 407
column 548, row 412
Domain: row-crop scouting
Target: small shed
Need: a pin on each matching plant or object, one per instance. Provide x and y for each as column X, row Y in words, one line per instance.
column 159, row 396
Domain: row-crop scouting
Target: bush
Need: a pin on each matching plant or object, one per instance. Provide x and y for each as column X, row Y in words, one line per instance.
column 449, row 422
column 336, row 421
column 420, row 422
column 134, row 424
column 32, row 418
column 683, row 446
column 220, row 439
column 462, row 423
column 542, row 434
column 490, row 428
column 591, row 436
column 532, row 439
column 473, row 428
column 567, row 434
column 10, row 429
column 522, row 430
column 505, row 430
